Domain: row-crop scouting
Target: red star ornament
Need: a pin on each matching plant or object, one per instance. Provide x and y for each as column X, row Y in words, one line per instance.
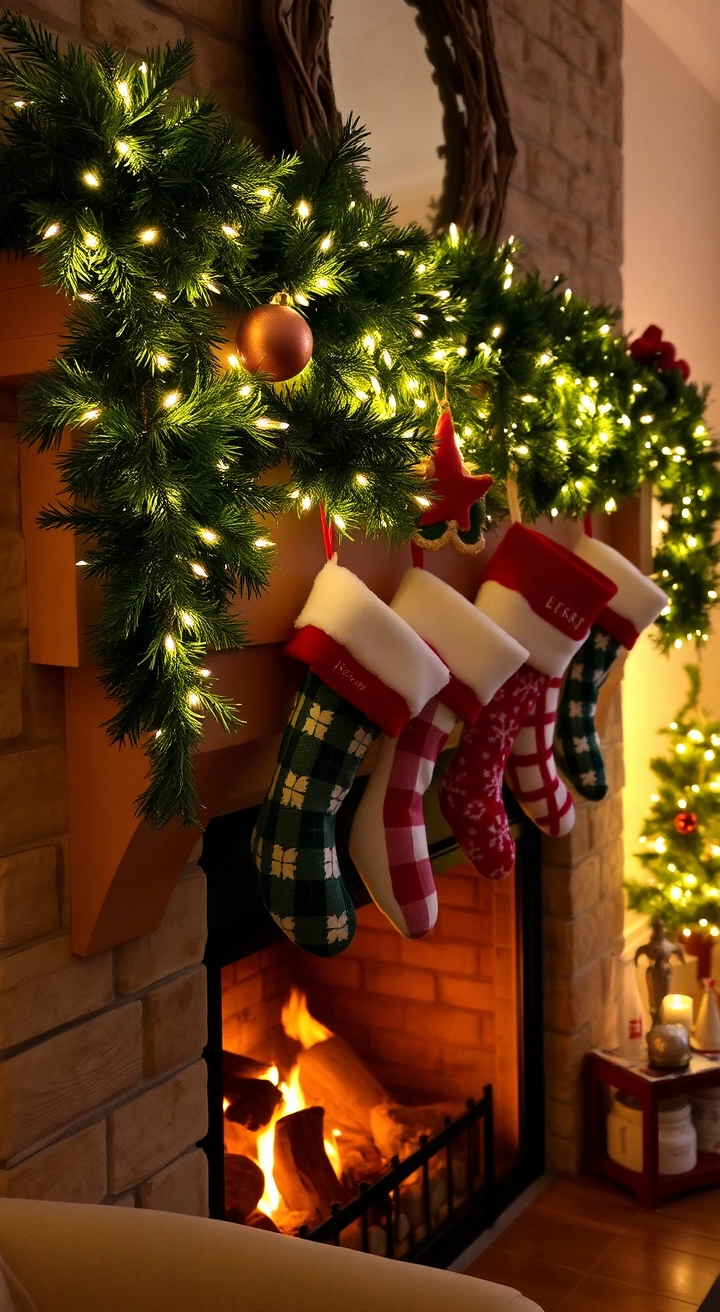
column 455, row 489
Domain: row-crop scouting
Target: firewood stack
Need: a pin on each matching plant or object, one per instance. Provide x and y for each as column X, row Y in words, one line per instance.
column 347, row 1105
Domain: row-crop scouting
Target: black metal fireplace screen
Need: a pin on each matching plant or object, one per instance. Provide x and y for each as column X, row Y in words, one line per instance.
column 447, row 1183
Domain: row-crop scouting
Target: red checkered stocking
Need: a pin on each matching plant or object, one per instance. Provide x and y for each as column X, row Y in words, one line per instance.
column 547, row 598
column 388, row 842
column 531, row 771
column 470, row 791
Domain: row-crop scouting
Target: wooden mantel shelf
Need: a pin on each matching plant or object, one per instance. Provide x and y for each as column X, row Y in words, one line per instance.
column 121, row 872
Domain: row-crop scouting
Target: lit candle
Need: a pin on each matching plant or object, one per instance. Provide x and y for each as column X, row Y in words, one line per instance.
column 677, row 1009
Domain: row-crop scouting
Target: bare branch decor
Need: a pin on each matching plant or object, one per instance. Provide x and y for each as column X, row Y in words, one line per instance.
column 479, row 149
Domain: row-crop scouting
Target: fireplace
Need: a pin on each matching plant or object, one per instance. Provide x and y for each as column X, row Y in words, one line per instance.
column 426, row 1056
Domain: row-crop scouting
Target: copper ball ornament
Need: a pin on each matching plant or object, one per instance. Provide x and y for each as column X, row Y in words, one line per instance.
column 274, row 340
column 686, row 822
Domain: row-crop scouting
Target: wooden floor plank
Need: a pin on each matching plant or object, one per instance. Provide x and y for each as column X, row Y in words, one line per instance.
column 586, row 1245
column 543, row 1283
column 594, row 1294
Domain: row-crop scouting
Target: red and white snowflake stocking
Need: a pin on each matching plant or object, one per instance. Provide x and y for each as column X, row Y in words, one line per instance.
column 546, row 598
column 388, row 842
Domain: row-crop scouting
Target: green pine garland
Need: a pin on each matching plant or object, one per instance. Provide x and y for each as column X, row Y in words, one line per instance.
column 683, row 865
column 150, row 214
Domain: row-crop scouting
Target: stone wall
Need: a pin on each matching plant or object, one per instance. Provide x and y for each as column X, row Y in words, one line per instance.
column 101, row 1085
column 561, row 69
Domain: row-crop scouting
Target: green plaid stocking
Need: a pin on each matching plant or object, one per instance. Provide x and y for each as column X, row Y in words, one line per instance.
column 577, row 746
column 294, row 838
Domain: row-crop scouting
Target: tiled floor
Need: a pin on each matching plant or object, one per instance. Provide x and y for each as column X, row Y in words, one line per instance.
column 586, row 1246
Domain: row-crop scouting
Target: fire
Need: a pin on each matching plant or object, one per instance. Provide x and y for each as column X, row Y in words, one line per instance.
column 301, row 1025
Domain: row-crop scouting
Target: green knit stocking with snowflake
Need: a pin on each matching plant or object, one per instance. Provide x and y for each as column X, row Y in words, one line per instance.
column 294, row 838
column 577, row 749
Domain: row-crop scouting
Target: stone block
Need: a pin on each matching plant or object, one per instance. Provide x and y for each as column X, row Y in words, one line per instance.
column 529, row 112
column 606, row 819
column 598, row 108
column 151, row 1131
column 563, row 1156
column 571, row 849
column 55, row 1083
column 73, row 1170
column 28, row 896
column 34, row 792
column 612, row 866
column 13, row 598
column 548, row 175
column 224, row 15
column 532, row 14
column 604, row 19
column 129, row 24
column 615, row 766
column 11, row 719
column 179, row 942
column 569, row 136
column 123, row 1200
column 528, row 219
column 509, row 42
column 604, row 245
column 455, row 958
column 569, row 235
column 45, row 986
column 571, row 1003
column 9, row 474
column 570, row 890
column 175, row 1023
column 590, row 198
column 470, row 994
column 180, row 1187
column 564, row 1057
column 401, row 982
column 563, row 1120
column 546, row 72
column 441, row 1024
column 60, row 15
column 568, row 945
column 573, row 41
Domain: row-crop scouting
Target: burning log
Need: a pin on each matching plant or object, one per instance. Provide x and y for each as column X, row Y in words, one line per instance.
column 253, row 1102
column 259, row 1221
column 244, row 1186
column 236, row 1067
column 302, row 1170
column 396, row 1130
column 332, row 1076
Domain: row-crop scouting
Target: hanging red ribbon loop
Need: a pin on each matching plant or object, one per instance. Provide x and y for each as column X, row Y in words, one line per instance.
column 327, row 534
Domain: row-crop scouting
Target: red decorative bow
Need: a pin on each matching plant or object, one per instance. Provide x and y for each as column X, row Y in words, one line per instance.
column 651, row 349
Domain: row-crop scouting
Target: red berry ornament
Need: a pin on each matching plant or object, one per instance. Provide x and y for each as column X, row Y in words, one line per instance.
column 274, row 340
column 686, row 822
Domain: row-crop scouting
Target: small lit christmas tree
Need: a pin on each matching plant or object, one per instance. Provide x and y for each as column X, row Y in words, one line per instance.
column 680, row 842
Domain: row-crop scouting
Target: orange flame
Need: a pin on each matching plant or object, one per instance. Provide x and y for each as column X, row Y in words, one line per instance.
column 299, row 1023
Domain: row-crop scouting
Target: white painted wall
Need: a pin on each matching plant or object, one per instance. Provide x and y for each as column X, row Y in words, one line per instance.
column 671, row 277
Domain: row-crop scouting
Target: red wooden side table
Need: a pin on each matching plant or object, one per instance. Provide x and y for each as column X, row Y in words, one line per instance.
column 602, row 1070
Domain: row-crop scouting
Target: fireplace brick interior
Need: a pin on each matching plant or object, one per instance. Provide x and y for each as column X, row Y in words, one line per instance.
column 434, row 1020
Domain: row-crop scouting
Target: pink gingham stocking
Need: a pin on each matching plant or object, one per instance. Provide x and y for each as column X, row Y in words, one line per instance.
column 470, row 791
column 388, row 842
column 531, row 772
